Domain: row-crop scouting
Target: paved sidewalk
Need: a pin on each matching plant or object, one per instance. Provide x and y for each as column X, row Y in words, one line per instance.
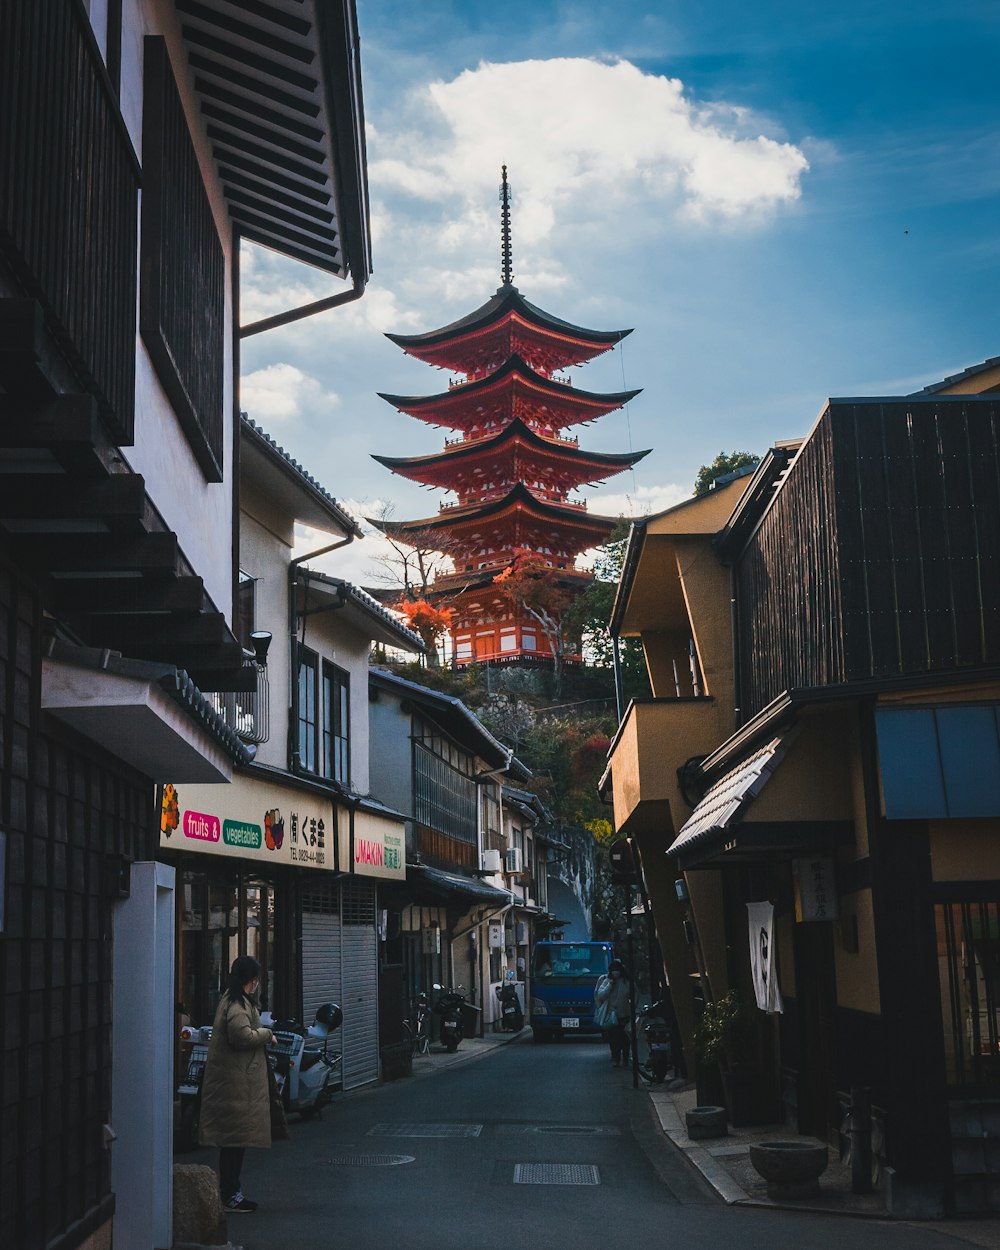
column 725, row 1163
column 470, row 1048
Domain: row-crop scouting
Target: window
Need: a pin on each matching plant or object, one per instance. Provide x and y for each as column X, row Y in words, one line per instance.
column 324, row 717
column 308, row 703
column 246, row 614
column 336, row 723
column 445, row 790
column 182, row 289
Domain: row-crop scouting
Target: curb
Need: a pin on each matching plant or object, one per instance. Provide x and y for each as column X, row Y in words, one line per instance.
column 717, row 1176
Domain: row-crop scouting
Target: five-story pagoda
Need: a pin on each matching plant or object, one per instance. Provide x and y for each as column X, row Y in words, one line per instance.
column 512, row 465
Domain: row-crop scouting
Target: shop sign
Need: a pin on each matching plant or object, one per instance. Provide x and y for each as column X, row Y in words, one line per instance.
column 373, row 845
column 249, row 819
column 815, row 889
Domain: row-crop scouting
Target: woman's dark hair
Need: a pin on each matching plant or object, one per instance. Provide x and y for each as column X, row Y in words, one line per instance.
column 616, row 965
column 245, row 968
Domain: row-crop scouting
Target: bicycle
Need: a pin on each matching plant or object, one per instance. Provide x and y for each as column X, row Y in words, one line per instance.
column 419, row 1037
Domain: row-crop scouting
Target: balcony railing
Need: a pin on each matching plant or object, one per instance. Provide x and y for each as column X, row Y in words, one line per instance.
column 248, row 712
column 69, row 184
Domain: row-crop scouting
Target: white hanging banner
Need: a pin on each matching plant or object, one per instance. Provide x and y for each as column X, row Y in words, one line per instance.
column 762, row 960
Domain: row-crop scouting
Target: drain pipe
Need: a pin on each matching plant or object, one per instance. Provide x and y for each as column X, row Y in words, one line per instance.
column 294, row 754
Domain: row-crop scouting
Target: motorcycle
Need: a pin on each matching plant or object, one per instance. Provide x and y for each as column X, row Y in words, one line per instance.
column 449, row 1007
column 305, row 1069
column 511, row 1014
column 651, row 1024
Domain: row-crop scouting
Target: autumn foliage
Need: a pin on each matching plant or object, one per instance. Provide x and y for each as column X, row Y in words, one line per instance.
column 429, row 622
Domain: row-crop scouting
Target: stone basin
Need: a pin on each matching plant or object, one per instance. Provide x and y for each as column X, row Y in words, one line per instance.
column 791, row 1168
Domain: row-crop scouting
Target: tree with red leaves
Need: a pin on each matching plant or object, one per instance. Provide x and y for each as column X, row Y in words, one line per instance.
column 529, row 583
column 429, row 622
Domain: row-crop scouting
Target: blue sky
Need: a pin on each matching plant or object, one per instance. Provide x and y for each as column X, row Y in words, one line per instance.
column 785, row 201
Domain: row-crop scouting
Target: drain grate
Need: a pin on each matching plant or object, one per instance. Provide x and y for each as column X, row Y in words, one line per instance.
column 425, row 1130
column 556, row 1174
column 371, row 1161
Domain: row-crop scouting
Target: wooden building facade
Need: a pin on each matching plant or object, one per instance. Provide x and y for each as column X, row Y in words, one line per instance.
column 842, row 744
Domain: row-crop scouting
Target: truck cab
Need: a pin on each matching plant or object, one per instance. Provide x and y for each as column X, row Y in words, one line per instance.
column 564, row 976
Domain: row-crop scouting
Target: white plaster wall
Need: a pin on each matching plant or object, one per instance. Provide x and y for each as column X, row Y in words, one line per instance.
column 264, row 554
column 200, row 513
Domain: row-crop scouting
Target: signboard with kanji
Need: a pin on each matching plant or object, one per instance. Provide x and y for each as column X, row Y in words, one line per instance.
column 250, row 819
column 815, row 889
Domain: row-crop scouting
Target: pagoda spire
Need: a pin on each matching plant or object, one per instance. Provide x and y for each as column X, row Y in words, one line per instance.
column 506, row 254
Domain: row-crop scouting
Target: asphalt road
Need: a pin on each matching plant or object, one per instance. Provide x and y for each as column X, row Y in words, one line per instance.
column 477, row 1156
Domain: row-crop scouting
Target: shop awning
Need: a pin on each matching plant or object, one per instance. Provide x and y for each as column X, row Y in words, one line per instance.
column 453, row 887
column 726, row 800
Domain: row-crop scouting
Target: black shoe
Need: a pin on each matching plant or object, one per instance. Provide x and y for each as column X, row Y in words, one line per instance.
column 239, row 1205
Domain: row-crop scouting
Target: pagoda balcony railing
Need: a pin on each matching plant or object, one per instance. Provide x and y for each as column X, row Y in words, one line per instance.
column 69, row 183
column 468, row 439
column 469, row 501
column 562, row 379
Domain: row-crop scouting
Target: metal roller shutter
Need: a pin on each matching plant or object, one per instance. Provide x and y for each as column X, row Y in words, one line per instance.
column 360, row 983
column 321, row 949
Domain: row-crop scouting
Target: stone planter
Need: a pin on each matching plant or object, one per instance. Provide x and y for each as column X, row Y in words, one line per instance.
column 704, row 1122
column 791, row 1168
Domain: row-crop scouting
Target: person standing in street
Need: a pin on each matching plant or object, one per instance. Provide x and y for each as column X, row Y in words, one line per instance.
column 612, row 996
column 235, row 1100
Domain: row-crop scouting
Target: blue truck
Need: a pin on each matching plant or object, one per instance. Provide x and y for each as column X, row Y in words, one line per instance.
column 563, row 978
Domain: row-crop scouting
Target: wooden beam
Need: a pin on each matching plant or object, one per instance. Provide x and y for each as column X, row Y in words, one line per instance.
column 132, row 595
column 119, row 501
column 96, row 554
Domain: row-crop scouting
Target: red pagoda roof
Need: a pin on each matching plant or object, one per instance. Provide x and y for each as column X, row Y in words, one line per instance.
column 514, row 390
column 516, row 453
column 507, row 325
column 519, row 516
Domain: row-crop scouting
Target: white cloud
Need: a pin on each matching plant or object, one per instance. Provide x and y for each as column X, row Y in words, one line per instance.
column 281, row 393
column 581, row 135
column 643, row 501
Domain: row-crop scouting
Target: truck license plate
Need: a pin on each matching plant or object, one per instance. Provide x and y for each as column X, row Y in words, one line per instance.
column 570, row 1022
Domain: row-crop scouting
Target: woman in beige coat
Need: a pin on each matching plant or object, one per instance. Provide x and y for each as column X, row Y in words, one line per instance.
column 235, row 1102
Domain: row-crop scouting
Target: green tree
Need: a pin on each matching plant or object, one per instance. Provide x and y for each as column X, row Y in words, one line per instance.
column 725, row 462
column 590, row 615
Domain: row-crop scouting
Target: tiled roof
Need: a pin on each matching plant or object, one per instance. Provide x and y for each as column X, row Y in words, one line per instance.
column 307, row 480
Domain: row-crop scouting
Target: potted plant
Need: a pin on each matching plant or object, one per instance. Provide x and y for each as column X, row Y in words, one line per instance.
column 724, row 1038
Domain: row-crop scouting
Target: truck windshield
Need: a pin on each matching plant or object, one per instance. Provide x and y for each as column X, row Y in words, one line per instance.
column 570, row 964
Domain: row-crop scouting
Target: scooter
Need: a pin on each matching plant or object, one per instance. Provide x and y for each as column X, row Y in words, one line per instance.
column 305, row 1069
column 449, row 1008
column 511, row 1014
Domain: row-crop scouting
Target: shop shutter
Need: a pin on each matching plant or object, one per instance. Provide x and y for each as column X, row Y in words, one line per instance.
column 360, row 984
column 321, row 949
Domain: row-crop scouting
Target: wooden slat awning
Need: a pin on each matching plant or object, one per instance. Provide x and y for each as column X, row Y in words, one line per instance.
column 279, row 87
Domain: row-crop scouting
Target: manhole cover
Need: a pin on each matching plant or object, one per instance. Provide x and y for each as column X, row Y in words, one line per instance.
column 556, row 1174
column 425, row 1130
column 371, row 1161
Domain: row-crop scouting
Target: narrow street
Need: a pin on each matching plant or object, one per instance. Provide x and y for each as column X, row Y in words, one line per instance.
column 479, row 1154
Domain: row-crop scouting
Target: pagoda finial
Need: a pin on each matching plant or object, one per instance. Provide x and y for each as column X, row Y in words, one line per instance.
column 505, row 251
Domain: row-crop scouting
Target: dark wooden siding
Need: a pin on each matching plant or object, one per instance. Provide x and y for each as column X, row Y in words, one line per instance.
column 880, row 556
column 789, row 585
column 72, row 819
column 182, row 295
column 69, row 196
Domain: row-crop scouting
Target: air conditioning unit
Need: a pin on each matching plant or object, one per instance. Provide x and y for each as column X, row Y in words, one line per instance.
column 491, row 861
column 512, row 860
